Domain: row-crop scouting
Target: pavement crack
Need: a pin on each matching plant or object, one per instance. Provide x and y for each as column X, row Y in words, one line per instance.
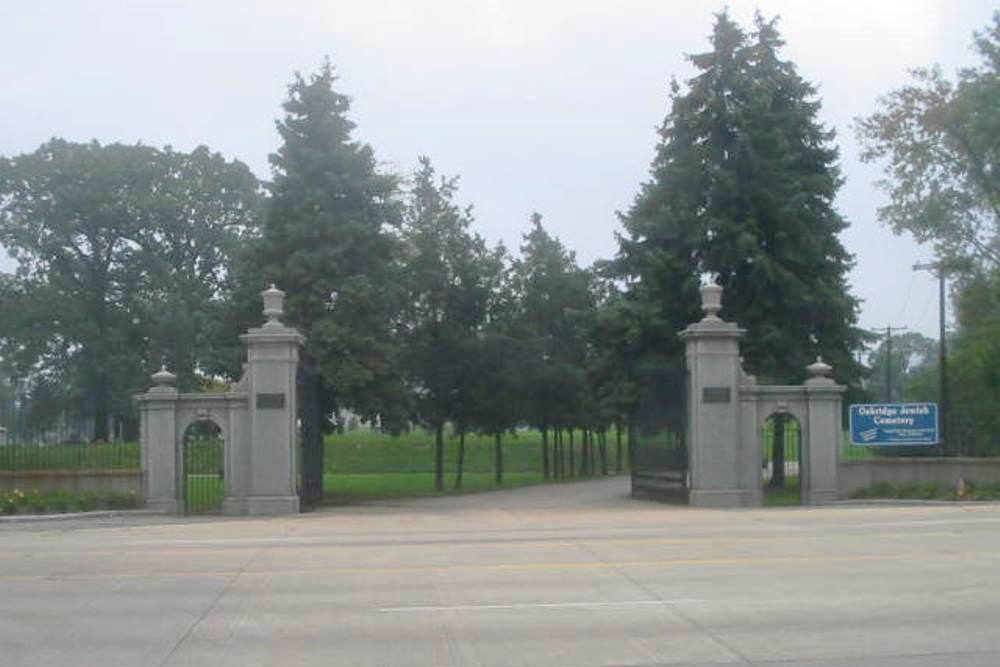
column 693, row 622
column 209, row 609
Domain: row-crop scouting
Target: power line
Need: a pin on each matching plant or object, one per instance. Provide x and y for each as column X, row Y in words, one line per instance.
column 888, row 358
column 940, row 268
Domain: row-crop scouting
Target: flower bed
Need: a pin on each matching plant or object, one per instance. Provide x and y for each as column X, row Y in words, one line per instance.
column 60, row 502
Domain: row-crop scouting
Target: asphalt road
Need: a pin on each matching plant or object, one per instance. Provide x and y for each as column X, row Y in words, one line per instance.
column 572, row 575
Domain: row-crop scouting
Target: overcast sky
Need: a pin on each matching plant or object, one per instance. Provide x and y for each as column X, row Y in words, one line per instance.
column 548, row 106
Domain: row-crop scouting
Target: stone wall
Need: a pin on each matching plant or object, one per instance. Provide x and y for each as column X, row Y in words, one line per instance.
column 83, row 481
column 856, row 475
column 664, row 486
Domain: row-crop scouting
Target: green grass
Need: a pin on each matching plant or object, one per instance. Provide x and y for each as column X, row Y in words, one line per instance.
column 929, row 491
column 72, row 456
column 372, row 486
column 787, row 496
column 58, row 502
column 364, row 464
column 203, row 493
column 363, row 451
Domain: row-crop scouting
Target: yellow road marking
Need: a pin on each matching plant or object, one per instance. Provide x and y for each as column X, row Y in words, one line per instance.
column 510, row 567
column 720, row 541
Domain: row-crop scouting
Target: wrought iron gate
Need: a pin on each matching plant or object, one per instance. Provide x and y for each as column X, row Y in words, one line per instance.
column 658, row 433
column 203, row 475
column 310, row 432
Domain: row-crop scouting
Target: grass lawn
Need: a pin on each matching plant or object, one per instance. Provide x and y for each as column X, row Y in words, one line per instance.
column 363, row 451
column 203, row 493
column 72, row 456
column 787, row 496
column 364, row 464
column 370, row 486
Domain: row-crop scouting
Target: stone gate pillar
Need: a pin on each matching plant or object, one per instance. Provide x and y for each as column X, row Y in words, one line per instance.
column 272, row 361
column 158, row 443
column 716, row 455
column 821, row 454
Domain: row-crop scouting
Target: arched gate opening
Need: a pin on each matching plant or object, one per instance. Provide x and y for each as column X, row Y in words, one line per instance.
column 203, row 478
column 781, row 447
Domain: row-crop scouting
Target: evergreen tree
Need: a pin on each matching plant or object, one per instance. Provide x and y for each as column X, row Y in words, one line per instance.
column 327, row 241
column 448, row 273
column 742, row 188
column 553, row 293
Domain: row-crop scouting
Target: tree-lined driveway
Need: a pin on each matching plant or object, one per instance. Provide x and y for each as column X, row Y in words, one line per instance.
column 575, row 574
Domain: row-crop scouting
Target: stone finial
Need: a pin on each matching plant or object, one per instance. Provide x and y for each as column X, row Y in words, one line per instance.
column 711, row 301
column 163, row 377
column 274, row 306
column 819, row 368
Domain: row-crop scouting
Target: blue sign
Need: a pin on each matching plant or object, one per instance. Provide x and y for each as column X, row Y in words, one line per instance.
column 882, row 424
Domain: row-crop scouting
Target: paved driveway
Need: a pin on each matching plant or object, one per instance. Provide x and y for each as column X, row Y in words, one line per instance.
column 571, row 575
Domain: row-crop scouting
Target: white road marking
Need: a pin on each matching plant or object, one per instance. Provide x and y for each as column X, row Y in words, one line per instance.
column 541, row 605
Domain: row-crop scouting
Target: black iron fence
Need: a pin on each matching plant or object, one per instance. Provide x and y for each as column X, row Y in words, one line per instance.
column 69, row 456
column 204, row 474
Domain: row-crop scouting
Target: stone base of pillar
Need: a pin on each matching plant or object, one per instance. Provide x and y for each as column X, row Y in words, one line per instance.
column 720, row 498
column 821, row 497
column 164, row 505
column 261, row 506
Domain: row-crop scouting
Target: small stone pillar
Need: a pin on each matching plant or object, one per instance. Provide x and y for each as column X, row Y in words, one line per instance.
column 158, row 444
column 715, row 450
column 272, row 361
column 821, row 454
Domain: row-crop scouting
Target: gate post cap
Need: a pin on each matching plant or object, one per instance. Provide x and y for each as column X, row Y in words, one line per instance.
column 274, row 305
column 819, row 368
column 163, row 377
column 711, row 300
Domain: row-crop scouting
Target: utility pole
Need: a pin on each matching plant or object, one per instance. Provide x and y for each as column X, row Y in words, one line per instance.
column 888, row 360
column 942, row 348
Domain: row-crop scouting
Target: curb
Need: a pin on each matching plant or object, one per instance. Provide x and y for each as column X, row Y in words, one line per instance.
column 67, row 516
column 917, row 501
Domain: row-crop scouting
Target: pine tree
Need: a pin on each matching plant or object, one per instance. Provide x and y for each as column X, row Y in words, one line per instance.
column 742, row 187
column 448, row 273
column 554, row 294
column 326, row 240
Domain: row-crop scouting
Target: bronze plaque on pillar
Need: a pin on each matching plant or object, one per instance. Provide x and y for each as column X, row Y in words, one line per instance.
column 270, row 401
column 716, row 395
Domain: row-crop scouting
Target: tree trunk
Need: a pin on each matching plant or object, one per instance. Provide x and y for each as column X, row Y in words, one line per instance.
column 102, row 412
column 498, row 458
column 778, row 453
column 439, row 457
column 591, row 453
column 603, row 440
column 572, row 455
column 460, row 465
column 630, row 445
column 583, row 453
column 562, row 454
column 99, row 357
column 545, row 453
column 556, row 451
column 618, row 448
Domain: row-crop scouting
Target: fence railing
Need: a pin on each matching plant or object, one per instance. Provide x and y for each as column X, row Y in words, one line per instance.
column 69, row 456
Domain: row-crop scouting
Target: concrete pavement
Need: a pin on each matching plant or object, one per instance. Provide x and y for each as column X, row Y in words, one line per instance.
column 574, row 575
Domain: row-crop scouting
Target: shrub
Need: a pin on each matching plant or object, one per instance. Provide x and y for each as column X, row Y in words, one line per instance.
column 87, row 502
column 120, row 500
